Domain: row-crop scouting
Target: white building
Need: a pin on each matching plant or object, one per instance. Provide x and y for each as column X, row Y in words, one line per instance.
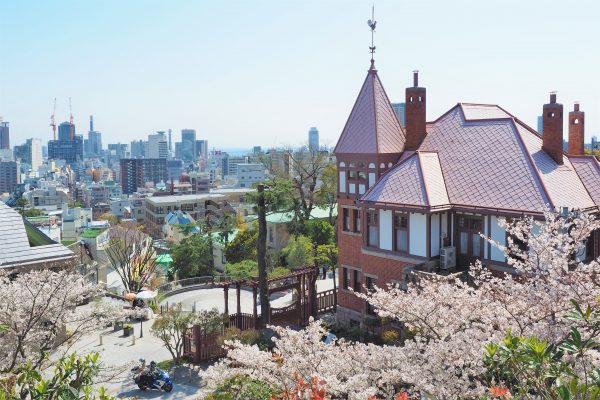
column 249, row 174
column 157, row 146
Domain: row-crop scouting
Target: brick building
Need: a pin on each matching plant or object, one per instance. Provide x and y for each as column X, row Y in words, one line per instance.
column 417, row 198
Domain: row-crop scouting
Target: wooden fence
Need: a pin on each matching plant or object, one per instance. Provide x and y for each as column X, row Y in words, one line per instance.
column 326, row 301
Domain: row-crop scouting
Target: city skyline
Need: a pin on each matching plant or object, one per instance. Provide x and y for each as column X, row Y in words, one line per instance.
column 246, row 74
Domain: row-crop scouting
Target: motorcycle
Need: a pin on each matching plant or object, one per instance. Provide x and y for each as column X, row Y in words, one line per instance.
column 152, row 378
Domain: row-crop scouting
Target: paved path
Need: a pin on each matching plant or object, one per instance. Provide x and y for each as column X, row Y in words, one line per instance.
column 207, row 299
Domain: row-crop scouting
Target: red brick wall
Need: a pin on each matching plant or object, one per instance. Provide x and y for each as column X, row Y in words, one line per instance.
column 350, row 255
column 576, row 132
column 553, row 129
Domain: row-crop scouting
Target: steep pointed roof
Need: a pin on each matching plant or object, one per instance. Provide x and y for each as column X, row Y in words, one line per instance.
column 372, row 127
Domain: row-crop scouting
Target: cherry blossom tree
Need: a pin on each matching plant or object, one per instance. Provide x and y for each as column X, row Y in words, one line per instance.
column 39, row 312
column 448, row 321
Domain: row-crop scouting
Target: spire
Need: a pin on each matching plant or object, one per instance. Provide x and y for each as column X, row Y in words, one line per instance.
column 372, row 23
column 372, row 127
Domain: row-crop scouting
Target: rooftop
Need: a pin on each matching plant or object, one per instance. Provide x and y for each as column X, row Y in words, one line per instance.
column 184, row 198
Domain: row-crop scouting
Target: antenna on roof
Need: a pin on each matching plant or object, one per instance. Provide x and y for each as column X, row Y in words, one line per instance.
column 372, row 23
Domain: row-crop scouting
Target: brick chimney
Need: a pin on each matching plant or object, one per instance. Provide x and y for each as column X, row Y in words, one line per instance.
column 576, row 131
column 415, row 114
column 553, row 129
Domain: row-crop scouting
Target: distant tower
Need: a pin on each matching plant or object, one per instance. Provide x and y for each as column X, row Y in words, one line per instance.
column 400, row 110
column 91, row 123
column 4, row 135
column 313, row 139
column 170, row 142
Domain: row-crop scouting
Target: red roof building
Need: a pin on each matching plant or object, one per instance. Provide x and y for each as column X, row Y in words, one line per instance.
column 418, row 198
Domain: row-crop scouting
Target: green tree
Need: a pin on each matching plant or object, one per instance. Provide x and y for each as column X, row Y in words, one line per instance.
column 193, row 257
column 242, row 247
column 21, row 203
column 73, row 379
column 320, row 232
column 298, row 252
column 248, row 269
column 32, row 212
column 171, row 327
column 111, row 218
column 327, row 192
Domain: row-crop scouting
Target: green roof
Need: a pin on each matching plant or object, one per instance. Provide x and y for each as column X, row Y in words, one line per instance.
column 36, row 237
column 286, row 217
column 164, row 259
column 43, row 218
column 91, row 233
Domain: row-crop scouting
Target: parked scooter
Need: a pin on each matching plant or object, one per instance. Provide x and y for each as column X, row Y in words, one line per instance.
column 151, row 377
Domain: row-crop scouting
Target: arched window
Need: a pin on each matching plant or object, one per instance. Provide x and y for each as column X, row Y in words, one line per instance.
column 342, row 164
column 372, row 165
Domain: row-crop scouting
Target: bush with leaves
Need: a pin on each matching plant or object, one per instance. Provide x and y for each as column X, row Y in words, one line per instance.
column 530, row 367
column 240, row 387
column 73, row 379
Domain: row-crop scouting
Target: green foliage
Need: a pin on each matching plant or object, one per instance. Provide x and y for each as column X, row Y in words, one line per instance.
column 73, row 379
column 279, row 195
column 327, row 256
column 165, row 365
column 327, row 193
column 111, row 218
column 320, row 231
column 248, row 269
column 171, row 327
column 560, row 370
column 240, row 387
column 192, row 257
column 298, row 252
column 242, row 247
column 32, row 212
column 249, row 337
column 390, row 337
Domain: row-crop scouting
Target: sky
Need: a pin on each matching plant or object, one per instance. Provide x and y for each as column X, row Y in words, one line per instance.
column 245, row 73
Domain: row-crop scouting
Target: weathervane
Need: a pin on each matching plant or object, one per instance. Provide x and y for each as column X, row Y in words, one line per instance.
column 372, row 24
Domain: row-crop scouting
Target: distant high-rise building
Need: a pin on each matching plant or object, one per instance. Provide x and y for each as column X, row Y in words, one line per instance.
column 94, row 141
column 64, row 148
column 540, row 124
column 595, row 144
column 157, row 146
column 10, row 176
column 135, row 172
column 4, row 135
column 188, row 144
column 232, row 165
column 119, row 150
column 174, row 169
column 138, row 149
column 64, row 131
column 313, row 139
column 170, row 142
column 400, row 110
column 257, row 149
column 202, row 149
column 30, row 153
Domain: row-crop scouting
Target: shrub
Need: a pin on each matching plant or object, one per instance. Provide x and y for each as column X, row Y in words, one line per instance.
column 240, row 387
column 390, row 337
column 249, row 337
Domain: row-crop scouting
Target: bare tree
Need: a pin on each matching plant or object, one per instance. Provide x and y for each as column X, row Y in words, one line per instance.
column 131, row 254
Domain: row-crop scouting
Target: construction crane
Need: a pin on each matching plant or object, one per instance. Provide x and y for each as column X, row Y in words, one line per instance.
column 72, row 125
column 52, row 122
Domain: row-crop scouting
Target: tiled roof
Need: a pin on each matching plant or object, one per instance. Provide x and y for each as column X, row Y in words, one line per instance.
column 588, row 169
column 372, row 127
column 15, row 250
column 481, row 156
column 416, row 181
column 561, row 182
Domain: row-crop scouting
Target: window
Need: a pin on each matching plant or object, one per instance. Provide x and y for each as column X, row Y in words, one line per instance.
column 346, row 223
column 370, row 284
column 372, row 229
column 401, row 232
column 356, row 217
column 346, row 281
column 352, row 175
column 362, row 176
column 356, row 281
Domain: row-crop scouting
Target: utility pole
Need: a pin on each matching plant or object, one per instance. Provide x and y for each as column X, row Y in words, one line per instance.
column 262, row 257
